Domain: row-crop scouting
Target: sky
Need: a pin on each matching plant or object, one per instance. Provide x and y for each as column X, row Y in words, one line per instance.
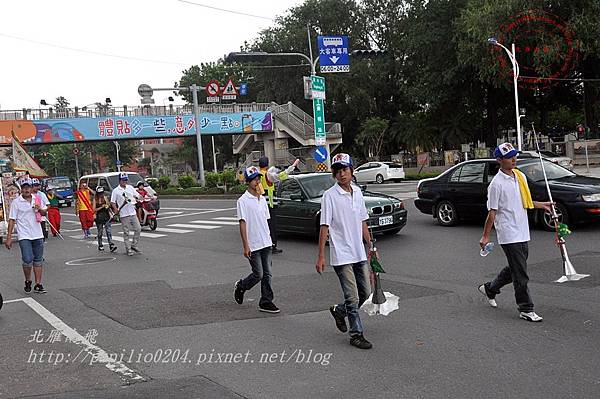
column 155, row 40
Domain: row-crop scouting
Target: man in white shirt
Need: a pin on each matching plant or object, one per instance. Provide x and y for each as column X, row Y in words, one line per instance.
column 344, row 218
column 507, row 213
column 253, row 214
column 35, row 190
column 122, row 200
column 29, row 234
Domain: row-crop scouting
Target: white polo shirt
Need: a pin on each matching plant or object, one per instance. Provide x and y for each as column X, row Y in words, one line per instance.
column 344, row 213
column 21, row 211
column 511, row 221
column 130, row 194
column 255, row 211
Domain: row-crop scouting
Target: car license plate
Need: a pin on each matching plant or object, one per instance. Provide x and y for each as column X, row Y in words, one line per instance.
column 61, row 201
column 385, row 220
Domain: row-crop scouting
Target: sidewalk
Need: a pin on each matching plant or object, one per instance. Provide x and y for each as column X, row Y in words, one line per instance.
column 582, row 170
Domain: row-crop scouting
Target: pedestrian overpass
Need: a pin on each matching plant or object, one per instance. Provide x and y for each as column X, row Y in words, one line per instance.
column 282, row 132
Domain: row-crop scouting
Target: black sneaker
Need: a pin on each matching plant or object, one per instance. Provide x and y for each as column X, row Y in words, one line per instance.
column 268, row 308
column 137, row 251
column 28, row 286
column 112, row 247
column 238, row 292
column 360, row 342
column 276, row 250
column 39, row 289
column 100, row 248
column 340, row 322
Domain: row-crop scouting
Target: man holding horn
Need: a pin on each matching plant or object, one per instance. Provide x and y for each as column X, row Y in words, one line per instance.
column 508, row 200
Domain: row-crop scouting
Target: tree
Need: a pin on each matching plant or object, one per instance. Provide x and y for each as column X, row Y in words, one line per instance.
column 372, row 137
column 61, row 104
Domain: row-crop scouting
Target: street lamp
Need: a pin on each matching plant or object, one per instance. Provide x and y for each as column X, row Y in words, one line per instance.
column 513, row 59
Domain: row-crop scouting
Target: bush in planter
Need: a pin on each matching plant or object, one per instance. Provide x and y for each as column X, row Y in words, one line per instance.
column 238, row 189
column 229, row 177
column 186, row 181
column 212, row 179
column 163, row 182
column 153, row 182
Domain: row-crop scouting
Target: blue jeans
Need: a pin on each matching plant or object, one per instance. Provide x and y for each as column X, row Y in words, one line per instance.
column 104, row 226
column 354, row 279
column 260, row 261
column 32, row 252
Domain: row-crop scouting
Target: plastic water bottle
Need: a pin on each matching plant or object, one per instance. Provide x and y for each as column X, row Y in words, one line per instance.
column 485, row 251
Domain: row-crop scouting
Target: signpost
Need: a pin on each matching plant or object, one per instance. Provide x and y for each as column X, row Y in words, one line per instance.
column 318, row 94
column 320, row 154
column 213, row 89
column 229, row 91
column 333, row 54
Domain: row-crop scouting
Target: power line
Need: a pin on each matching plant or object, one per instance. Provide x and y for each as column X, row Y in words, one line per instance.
column 79, row 50
column 224, row 10
column 560, row 79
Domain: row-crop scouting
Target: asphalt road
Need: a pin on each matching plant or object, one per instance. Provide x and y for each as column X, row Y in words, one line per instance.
column 164, row 324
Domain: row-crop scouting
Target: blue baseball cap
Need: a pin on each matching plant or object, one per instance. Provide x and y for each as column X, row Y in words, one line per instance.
column 251, row 173
column 341, row 159
column 25, row 182
column 123, row 176
column 505, row 150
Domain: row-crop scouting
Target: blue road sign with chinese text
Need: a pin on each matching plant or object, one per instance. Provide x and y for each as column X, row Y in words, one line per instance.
column 333, row 54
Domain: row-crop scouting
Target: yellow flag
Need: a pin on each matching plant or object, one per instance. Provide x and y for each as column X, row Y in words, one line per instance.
column 22, row 161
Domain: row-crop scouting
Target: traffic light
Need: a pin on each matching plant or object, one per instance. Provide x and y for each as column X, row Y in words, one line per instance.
column 368, row 54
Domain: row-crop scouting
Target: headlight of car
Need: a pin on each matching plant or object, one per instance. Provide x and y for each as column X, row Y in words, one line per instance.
column 398, row 205
column 591, row 197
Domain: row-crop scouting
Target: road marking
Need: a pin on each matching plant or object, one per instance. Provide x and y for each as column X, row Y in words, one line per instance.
column 179, row 231
column 71, row 221
column 192, row 209
column 171, row 213
column 195, row 213
column 98, row 355
column 227, row 218
column 219, row 222
column 148, row 235
column 194, row 226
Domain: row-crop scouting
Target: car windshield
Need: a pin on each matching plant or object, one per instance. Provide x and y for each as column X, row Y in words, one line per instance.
column 315, row 186
column 133, row 179
column 533, row 171
column 59, row 183
column 393, row 165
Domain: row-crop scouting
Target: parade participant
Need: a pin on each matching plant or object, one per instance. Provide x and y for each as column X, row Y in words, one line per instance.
column 53, row 211
column 122, row 199
column 143, row 193
column 268, row 178
column 508, row 200
column 26, row 214
column 35, row 190
column 344, row 220
column 84, row 208
column 253, row 215
column 103, row 218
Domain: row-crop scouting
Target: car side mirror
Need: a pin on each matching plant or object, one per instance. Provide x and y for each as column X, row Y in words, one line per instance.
column 296, row 197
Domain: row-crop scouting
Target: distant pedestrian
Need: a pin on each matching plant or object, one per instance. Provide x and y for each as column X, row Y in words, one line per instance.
column 253, row 214
column 53, row 211
column 26, row 214
column 344, row 219
column 269, row 177
column 508, row 200
column 35, row 190
column 84, row 208
column 103, row 218
column 123, row 199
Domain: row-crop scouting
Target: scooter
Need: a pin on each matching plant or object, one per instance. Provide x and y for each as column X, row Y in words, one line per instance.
column 148, row 213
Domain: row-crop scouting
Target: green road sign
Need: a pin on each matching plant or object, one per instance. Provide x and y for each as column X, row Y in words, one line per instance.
column 319, row 117
column 318, row 83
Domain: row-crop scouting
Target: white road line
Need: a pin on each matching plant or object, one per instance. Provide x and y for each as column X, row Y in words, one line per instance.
column 227, row 218
column 96, row 353
column 194, row 226
column 148, row 235
column 114, row 237
column 71, row 221
column 219, row 222
column 195, row 213
column 117, row 238
column 192, row 209
column 171, row 213
column 178, row 231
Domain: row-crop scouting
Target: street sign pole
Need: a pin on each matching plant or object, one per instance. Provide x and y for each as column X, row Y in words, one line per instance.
column 194, row 89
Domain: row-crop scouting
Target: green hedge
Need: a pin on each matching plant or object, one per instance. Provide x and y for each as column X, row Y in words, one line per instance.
column 419, row 176
column 186, row 181
column 190, row 191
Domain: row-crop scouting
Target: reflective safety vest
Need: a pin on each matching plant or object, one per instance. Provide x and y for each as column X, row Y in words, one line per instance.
column 266, row 186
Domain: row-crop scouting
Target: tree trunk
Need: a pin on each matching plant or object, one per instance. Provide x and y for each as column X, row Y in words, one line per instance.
column 591, row 70
column 491, row 135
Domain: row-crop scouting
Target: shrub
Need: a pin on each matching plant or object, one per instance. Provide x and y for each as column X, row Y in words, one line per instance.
column 185, row 181
column 237, row 189
column 163, row 182
column 229, row 177
column 153, row 183
column 212, row 179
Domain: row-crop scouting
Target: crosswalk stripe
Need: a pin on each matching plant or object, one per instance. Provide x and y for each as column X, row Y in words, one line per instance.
column 115, row 238
column 193, row 226
column 219, row 222
column 171, row 213
column 148, row 235
column 226, row 218
column 179, row 231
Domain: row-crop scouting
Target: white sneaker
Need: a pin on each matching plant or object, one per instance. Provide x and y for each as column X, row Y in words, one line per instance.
column 492, row 302
column 531, row 316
